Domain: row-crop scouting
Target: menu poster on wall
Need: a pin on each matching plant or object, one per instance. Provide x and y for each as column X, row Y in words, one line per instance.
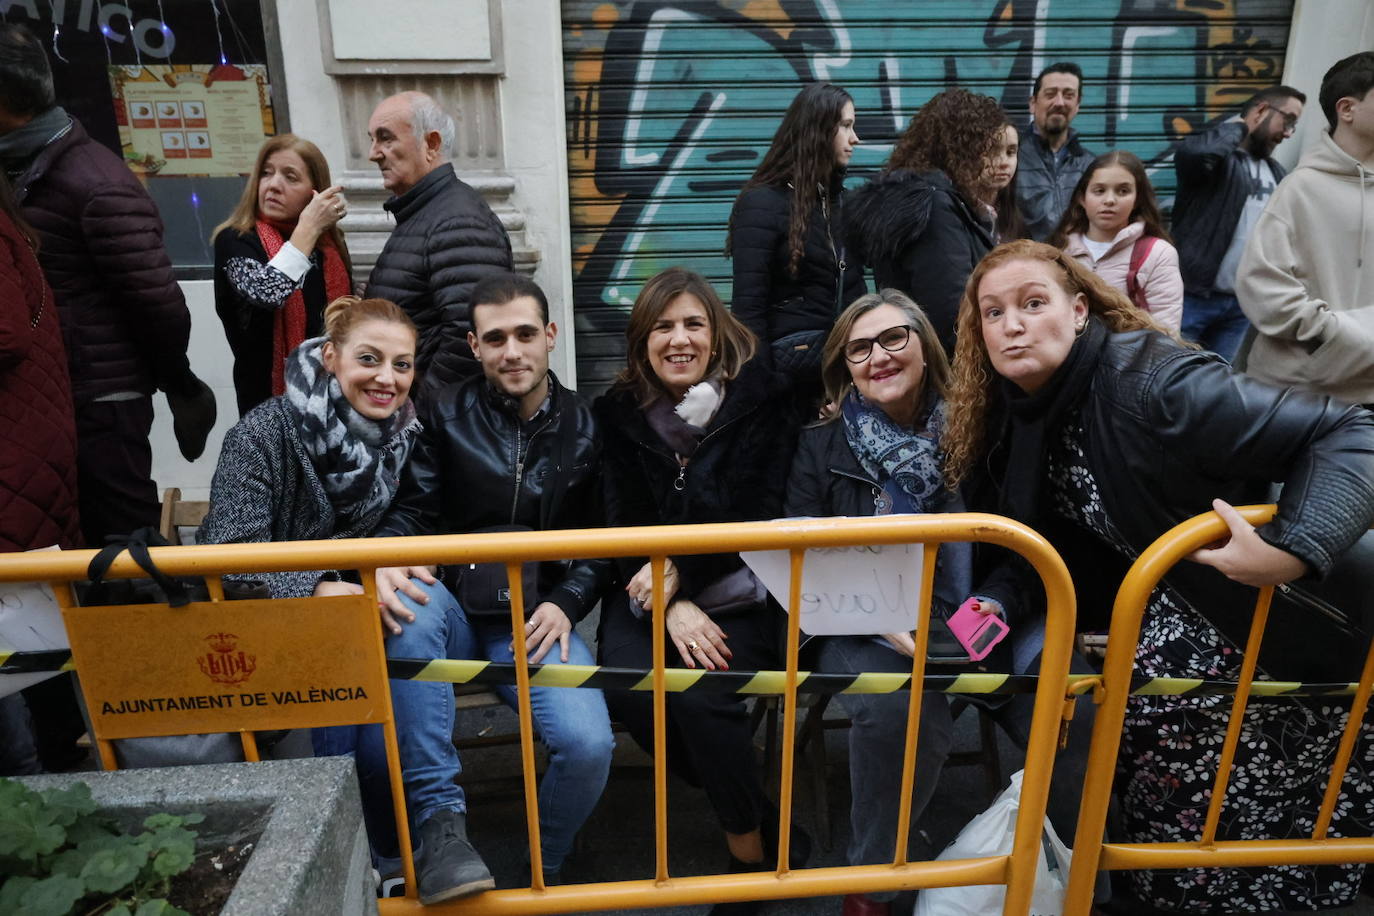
column 192, row 120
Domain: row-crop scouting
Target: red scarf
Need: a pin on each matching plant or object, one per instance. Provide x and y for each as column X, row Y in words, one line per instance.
column 288, row 323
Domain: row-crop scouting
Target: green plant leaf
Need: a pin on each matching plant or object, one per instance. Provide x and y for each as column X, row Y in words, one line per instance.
column 12, row 891
column 120, row 910
column 190, row 820
column 70, row 803
column 90, row 829
column 161, row 821
column 173, row 861
column 27, row 830
column 159, row 907
column 111, row 870
column 12, row 793
column 52, row 896
column 70, row 861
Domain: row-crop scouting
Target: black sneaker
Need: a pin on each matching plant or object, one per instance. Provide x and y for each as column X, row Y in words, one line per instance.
column 448, row 866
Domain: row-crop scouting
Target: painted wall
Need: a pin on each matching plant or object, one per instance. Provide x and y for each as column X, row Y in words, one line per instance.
column 672, row 103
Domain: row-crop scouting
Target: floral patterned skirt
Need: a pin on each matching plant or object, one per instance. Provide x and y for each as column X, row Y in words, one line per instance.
column 1168, row 763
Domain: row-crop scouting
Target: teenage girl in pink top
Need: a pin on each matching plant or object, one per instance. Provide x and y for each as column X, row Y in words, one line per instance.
column 1113, row 228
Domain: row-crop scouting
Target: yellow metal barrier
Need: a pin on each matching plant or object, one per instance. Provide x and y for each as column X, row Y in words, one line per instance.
column 1016, row 871
column 1207, row 852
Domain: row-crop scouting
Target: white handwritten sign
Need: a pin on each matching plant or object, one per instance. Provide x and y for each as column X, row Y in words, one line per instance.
column 30, row 621
column 848, row 590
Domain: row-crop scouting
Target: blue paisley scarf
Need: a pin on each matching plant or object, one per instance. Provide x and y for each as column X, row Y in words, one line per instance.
column 908, row 463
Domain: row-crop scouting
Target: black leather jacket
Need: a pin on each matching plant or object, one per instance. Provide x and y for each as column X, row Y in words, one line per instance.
column 1213, row 185
column 478, row 466
column 1165, row 431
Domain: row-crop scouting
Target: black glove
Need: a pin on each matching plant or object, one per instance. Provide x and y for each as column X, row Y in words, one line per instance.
column 193, row 416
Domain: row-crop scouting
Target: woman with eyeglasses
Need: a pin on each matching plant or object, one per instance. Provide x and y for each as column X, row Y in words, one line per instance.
column 877, row 451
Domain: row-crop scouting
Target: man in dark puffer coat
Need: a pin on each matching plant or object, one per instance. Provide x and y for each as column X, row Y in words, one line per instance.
column 124, row 320
column 446, row 237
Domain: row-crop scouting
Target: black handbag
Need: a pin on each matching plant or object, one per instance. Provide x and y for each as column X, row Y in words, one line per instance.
column 799, row 353
column 158, row 588
column 483, row 589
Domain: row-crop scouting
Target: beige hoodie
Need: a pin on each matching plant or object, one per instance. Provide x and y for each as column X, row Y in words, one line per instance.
column 1306, row 281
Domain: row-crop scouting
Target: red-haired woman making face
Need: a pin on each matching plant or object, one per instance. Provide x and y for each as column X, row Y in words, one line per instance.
column 1072, row 411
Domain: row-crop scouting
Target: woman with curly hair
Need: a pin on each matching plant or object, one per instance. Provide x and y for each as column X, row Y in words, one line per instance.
column 1073, row 411
column 792, row 273
column 944, row 200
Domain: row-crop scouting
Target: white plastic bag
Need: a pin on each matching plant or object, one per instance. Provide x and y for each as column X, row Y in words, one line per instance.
column 990, row 834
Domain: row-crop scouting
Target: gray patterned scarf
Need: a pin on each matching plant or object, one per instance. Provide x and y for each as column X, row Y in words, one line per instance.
column 359, row 460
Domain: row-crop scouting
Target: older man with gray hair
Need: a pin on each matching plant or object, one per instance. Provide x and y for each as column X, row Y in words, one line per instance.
column 446, row 237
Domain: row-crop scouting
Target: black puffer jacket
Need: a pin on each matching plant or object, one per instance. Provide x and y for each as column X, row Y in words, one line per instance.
column 921, row 237
column 1213, row 185
column 446, row 239
column 738, row 473
column 1044, row 183
column 476, row 465
column 768, row 298
column 124, row 321
column 1165, row 431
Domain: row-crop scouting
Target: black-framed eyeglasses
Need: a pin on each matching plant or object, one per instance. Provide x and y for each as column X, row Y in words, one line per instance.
column 891, row 340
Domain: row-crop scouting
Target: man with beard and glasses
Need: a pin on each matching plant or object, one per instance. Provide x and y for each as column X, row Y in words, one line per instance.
column 1050, row 160
column 511, row 449
column 1225, row 177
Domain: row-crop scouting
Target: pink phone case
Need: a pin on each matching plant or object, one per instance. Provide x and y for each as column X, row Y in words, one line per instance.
column 977, row 632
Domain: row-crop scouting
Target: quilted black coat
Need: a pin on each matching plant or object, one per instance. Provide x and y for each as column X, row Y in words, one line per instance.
column 738, row 473
column 124, row 320
column 38, row 455
column 768, row 298
column 446, row 240
column 921, row 237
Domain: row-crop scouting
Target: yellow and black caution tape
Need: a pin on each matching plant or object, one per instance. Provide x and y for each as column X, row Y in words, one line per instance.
column 753, row 683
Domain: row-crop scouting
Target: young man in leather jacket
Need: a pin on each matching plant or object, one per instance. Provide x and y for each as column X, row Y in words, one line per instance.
column 511, row 448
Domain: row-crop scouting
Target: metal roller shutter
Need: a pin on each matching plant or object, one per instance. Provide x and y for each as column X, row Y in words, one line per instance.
column 670, row 105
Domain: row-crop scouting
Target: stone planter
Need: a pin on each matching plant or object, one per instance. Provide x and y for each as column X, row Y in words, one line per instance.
column 311, row 857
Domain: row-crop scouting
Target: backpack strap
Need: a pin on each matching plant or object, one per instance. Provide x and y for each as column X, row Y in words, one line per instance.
column 1139, row 252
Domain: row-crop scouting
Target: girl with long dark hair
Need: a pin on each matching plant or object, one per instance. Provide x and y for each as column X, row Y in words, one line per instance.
column 791, row 270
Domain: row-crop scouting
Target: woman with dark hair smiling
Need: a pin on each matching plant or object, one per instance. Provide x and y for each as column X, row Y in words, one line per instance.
column 696, row 430
column 945, row 198
column 792, row 273
column 1073, row 411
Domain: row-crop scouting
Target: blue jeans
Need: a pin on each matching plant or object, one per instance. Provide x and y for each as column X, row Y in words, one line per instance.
column 877, row 743
column 367, row 746
column 572, row 722
column 1216, row 322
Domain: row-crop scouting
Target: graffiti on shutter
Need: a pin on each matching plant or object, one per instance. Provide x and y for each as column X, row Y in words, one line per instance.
column 671, row 105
